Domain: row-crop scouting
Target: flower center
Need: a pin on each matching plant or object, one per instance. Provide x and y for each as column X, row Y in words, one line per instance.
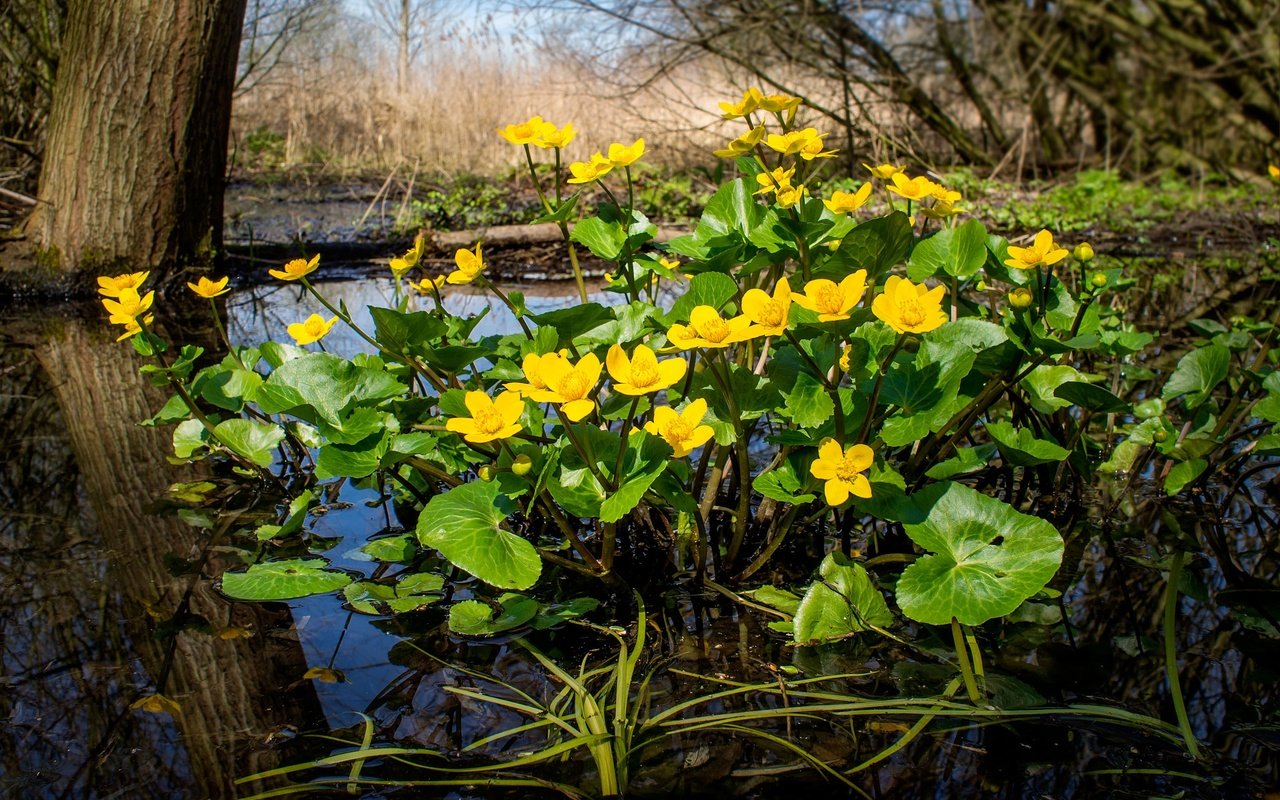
column 713, row 330
column 911, row 312
column 771, row 314
column 677, row 431
column 315, row 327
column 488, row 421
column 643, row 374
column 848, row 469
column 574, row 386
column 829, row 300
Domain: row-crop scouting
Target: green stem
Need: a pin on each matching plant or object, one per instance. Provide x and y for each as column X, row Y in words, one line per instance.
column 875, row 391
column 1171, row 654
column 506, row 301
column 583, row 450
column 966, row 670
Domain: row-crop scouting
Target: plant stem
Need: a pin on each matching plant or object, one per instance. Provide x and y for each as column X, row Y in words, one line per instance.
column 966, row 670
column 1171, row 654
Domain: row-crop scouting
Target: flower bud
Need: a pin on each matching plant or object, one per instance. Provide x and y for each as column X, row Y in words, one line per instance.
column 1021, row 298
column 1084, row 251
column 522, row 465
column 1159, row 435
column 486, row 472
column 1098, row 279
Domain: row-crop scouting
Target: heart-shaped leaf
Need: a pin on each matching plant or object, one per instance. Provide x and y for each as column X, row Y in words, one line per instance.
column 476, row 618
column 464, row 524
column 984, row 558
column 283, row 580
column 842, row 603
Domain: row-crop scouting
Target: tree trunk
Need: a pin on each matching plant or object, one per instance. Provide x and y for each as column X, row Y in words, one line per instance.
column 137, row 140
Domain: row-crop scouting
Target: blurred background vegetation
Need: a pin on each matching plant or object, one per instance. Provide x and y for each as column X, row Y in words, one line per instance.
column 1015, row 89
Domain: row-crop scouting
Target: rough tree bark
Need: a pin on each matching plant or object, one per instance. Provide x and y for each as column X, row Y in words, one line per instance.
column 133, row 171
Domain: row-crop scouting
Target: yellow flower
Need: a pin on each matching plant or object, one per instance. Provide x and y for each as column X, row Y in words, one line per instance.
column 132, row 328
column 749, row 103
column 1021, row 298
column 469, row 264
column 490, row 419
column 588, row 171
column 842, row 470
column 569, row 384
column 812, row 148
column 916, row 189
column 112, row 287
column 1273, row 171
column 425, row 285
column 209, row 289
column 313, row 329
column 831, row 300
column 774, row 180
column 401, row 265
column 670, row 263
column 846, row 202
column 128, row 306
column 643, row 373
column 796, row 143
column 681, row 430
column 789, row 196
column 768, row 313
column 523, row 132
column 743, row 145
column 779, row 103
column 908, row 308
column 884, row 172
column 1083, row 252
column 533, row 381
column 621, row 155
column 706, row 328
column 844, row 357
column 549, row 136
column 296, row 269
column 1042, row 251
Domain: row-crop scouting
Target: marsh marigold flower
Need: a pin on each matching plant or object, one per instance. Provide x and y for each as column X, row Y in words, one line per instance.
column 588, row 171
column 1274, row 172
column 621, row 155
column 908, row 308
column 779, row 103
column 848, row 202
column 312, row 329
column 682, row 430
column 1041, row 252
column 915, row 189
column 410, row 259
column 768, row 313
column 774, row 180
column 748, row 104
column 1083, row 252
column 831, row 300
column 642, row 373
column 469, row 265
column 842, row 470
column 549, row 136
column 295, row 269
column 128, row 306
column 133, row 328
column 1021, row 298
column 884, row 171
column 428, row 285
column 526, row 132
column 490, row 419
column 789, row 196
column 209, row 289
column 743, row 145
column 533, row 380
column 112, row 287
column 707, row 328
column 806, row 143
column 569, row 385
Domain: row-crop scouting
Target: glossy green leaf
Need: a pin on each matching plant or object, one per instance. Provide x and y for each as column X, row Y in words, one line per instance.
column 603, row 239
column 296, row 515
column 1197, row 373
column 251, row 440
column 707, row 289
column 319, row 386
column 1094, row 398
column 410, row 593
column 400, row 332
column 1021, row 448
column 843, row 602
column 283, row 580
column 397, row 549
column 808, row 403
column 959, row 252
column 1183, row 473
column 476, row 618
column 878, row 244
column 785, row 601
column 464, row 524
column 983, row 557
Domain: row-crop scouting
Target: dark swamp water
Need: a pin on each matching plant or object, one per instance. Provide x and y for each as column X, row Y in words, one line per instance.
column 106, row 597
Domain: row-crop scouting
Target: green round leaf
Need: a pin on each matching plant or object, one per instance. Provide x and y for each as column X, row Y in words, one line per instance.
column 464, row 524
column 476, row 618
column 409, row 594
column 842, row 603
column 985, row 557
column 283, row 580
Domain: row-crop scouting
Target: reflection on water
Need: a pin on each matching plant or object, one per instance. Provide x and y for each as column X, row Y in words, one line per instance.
column 92, row 587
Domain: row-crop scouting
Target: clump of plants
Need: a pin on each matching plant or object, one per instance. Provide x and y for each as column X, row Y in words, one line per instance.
column 853, row 360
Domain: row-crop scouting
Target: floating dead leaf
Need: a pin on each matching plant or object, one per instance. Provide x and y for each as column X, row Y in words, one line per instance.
column 156, row 704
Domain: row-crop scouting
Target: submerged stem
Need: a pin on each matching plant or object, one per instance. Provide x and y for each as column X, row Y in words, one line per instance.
column 1171, row 654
